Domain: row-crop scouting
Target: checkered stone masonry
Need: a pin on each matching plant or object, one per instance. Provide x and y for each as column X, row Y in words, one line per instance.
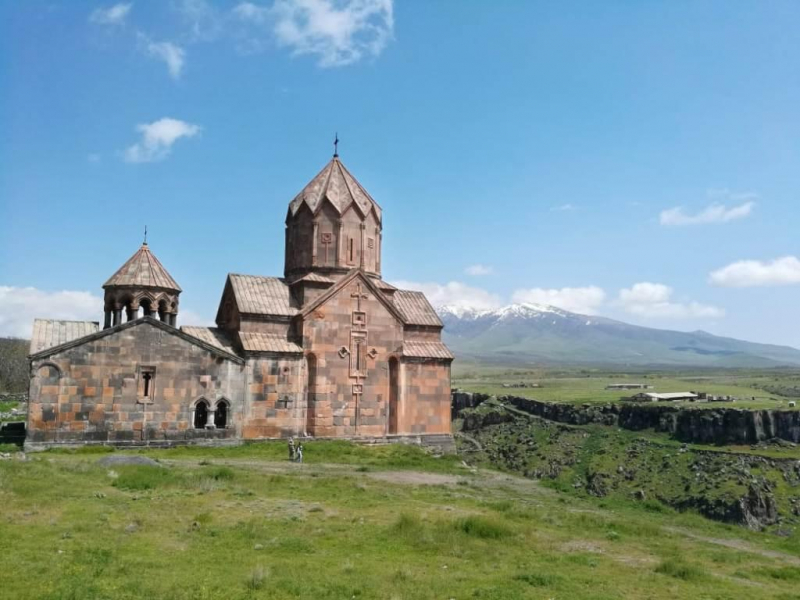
column 91, row 392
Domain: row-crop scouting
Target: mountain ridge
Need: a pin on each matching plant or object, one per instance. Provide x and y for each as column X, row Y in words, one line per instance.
column 526, row 332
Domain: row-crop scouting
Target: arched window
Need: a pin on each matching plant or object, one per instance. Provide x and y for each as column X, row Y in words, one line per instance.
column 200, row 414
column 221, row 415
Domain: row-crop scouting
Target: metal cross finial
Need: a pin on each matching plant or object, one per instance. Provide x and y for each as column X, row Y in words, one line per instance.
column 145, row 234
column 336, row 145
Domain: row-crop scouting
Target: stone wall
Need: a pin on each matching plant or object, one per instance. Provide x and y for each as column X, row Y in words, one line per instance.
column 93, row 392
column 276, row 405
column 427, row 381
column 345, row 404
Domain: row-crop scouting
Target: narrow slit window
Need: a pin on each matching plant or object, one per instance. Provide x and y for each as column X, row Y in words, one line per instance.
column 147, row 380
column 351, row 250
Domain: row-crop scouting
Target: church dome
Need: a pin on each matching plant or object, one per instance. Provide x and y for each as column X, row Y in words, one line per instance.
column 142, row 282
column 333, row 226
column 339, row 187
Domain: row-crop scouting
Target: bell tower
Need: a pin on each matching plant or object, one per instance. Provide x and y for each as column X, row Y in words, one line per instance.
column 142, row 282
column 333, row 226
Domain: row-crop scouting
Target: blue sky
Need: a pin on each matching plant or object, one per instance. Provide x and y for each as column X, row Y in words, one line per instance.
column 631, row 159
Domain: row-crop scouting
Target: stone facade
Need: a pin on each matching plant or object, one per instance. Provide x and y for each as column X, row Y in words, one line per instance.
column 329, row 350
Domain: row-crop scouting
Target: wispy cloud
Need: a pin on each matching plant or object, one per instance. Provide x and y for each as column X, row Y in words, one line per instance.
column 20, row 306
column 455, row 294
column 563, row 208
column 338, row 33
column 752, row 273
column 478, row 270
column 654, row 300
column 113, row 15
column 171, row 54
column 727, row 206
column 584, row 300
column 93, row 157
column 158, row 138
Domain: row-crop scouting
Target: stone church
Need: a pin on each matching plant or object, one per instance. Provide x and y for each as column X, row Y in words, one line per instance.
column 329, row 350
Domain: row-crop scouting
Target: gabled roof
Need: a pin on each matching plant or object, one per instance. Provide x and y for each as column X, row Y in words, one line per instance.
column 48, row 333
column 256, row 341
column 143, row 269
column 256, row 295
column 211, row 335
column 416, row 309
column 136, row 323
column 427, row 349
column 341, row 189
column 370, row 283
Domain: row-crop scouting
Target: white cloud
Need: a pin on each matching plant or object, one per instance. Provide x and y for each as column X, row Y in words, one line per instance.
column 203, row 18
column 564, row 208
column 247, row 11
column 654, row 300
column 114, row 15
column 715, row 213
column 187, row 316
column 93, row 157
column 158, row 138
column 751, row 273
column 20, row 306
column 454, row 293
column 584, row 300
column 171, row 54
column 478, row 270
column 338, row 33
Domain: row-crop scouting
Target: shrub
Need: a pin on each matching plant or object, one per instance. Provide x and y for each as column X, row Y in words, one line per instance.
column 537, row 579
column 680, row 570
column 407, row 524
column 481, row 527
column 255, row 581
column 142, row 477
column 219, row 473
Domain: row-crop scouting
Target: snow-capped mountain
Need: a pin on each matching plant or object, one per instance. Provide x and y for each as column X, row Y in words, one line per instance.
column 526, row 333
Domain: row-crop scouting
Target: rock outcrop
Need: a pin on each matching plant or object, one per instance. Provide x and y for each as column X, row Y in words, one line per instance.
column 695, row 425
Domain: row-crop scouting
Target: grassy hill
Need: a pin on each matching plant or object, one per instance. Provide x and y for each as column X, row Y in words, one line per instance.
column 354, row 522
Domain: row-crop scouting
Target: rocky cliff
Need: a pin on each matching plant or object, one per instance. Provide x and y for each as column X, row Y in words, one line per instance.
column 750, row 490
column 693, row 425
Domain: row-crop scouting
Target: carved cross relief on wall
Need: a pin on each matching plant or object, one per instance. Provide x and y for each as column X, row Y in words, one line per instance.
column 358, row 350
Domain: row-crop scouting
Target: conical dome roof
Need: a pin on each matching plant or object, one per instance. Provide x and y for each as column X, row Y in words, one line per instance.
column 336, row 184
column 143, row 269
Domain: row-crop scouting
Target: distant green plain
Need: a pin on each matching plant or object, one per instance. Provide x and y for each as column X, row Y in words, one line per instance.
column 581, row 386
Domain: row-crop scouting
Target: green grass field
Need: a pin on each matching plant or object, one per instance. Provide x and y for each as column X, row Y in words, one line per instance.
column 582, row 386
column 353, row 522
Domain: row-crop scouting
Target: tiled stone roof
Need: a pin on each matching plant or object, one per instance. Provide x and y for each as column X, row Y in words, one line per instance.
column 382, row 285
column 143, row 269
column 336, row 184
column 48, row 333
column 258, row 295
column 253, row 341
column 426, row 349
column 415, row 308
column 314, row 278
column 210, row 335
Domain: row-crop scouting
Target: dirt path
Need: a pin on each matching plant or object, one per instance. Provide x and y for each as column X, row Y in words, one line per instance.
column 736, row 544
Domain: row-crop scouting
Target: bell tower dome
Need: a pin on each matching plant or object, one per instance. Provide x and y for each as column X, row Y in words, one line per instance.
column 333, row 226
column 142, row 282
